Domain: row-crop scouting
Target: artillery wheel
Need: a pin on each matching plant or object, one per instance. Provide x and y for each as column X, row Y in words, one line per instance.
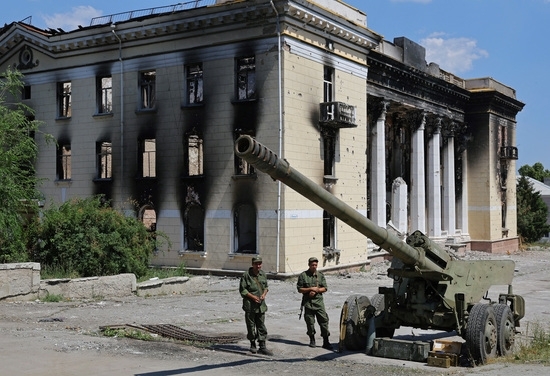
column 377, row 301
column 481, row 333
column 353, row 334
column 505, row 329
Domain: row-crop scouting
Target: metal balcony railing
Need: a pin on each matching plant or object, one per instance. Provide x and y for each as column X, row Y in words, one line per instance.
column 337, row 115
column 508, row 152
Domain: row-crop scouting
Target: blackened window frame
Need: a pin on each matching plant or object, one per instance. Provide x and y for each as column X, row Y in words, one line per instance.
column 147, row 90
column 245, row 78
column 194, row 85
column 104, row 94
column 64, row 100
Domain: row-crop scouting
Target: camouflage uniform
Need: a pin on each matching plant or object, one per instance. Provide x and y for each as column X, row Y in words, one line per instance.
column 314, row 307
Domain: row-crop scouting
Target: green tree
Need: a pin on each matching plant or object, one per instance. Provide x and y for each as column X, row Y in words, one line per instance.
column 532, row 212
column 536, row 171
column 18, row 182
column 86, row 237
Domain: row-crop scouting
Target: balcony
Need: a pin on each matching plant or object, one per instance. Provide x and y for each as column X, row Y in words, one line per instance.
column 337, row 115
column 508, row 152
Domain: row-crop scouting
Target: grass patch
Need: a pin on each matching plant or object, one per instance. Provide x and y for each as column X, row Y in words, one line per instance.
column 165, row 272
column 57, row 272
column 128, row 333
column 537, row 350
column 52, row 298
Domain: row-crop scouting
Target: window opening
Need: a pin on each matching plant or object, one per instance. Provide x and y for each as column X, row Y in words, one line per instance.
column 147, row 89
column 194, row 84
column 105, row 160
column 26, row 92
column 105, row 95
column 328, row 84
column 64, row 162
column 242, row 167
column 195, row 154
column 245, row 229
column 329, row 151
column 148, row 158
column 246, row 78
column 194, row 228
column 329, row 230
column 64, row 99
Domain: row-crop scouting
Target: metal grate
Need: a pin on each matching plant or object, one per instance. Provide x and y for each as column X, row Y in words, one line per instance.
column 176, row 332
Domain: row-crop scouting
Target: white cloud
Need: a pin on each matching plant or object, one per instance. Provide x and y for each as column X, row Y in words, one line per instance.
column 81, row 15
column 455, row 55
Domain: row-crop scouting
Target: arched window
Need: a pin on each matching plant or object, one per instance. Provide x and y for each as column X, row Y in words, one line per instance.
column 245, row 229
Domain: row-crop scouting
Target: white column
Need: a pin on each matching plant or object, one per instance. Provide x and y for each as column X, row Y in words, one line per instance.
column 449, row 197
column 378, row 169
column 418, row 181
column 463, row 201
column 434, row 183
column 399, row 205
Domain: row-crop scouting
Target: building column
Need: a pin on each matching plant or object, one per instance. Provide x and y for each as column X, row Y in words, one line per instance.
column 449, row 195
column 462, row 204
column 378, row 165
column 434, row 181
column 418, row 180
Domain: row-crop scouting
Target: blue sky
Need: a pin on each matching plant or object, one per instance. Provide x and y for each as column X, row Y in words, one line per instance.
column 508, row 40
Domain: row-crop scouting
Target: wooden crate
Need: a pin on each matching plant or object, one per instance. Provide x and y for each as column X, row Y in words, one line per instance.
column 442, row 359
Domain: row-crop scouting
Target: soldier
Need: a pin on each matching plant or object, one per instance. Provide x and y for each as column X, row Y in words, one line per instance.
column 253, row 289
column 312, row 284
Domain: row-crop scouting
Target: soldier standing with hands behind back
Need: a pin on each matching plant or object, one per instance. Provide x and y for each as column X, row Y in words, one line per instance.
column 253, row 289
column 312, row 284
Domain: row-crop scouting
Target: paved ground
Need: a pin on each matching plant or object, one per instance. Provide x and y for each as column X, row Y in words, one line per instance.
column 64, row 338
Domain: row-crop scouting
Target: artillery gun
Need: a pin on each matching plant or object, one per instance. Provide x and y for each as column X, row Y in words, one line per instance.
column 431, row 289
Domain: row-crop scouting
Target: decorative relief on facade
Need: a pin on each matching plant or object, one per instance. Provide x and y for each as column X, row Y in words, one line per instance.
column 26, row 59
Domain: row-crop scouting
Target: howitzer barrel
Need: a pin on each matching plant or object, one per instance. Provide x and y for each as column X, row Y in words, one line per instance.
column 265, row 160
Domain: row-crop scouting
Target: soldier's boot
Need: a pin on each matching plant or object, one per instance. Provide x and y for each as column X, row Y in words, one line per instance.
column 326, row 344
column 312, row 341
column 253, row 348
column 263, row 350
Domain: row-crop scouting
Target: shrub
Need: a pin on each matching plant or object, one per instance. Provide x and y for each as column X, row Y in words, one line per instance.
column 88, row 238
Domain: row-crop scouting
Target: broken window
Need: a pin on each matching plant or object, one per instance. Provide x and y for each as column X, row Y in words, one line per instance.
column 64, row 99
column 328, row 84
column 148, row 158
column 329, row 151
column 64, row 162
column 329, row 230
column 147, row 89
column 194, row 228
column 26, row 92
column 194, row 84
column 104, row 87
column 242, row 167
column 246, row 78
column 244, row 222
column 195, row 154
column 148, row 217
column 104, row 160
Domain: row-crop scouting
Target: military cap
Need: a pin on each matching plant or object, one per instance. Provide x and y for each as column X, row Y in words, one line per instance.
column 312, row 259
column 256, row 259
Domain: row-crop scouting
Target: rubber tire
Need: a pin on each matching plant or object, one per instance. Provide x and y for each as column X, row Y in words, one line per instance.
column 481, row 333
column 377, row 301
column 355, row 338
column 505, row 329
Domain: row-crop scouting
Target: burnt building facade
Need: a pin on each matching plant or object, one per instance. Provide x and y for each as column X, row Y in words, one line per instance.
column 146, row 107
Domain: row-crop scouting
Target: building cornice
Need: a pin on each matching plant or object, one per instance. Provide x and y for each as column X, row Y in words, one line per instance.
column 233, row 16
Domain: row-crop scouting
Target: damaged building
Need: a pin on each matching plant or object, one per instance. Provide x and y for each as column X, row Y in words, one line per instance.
column 146, row 107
